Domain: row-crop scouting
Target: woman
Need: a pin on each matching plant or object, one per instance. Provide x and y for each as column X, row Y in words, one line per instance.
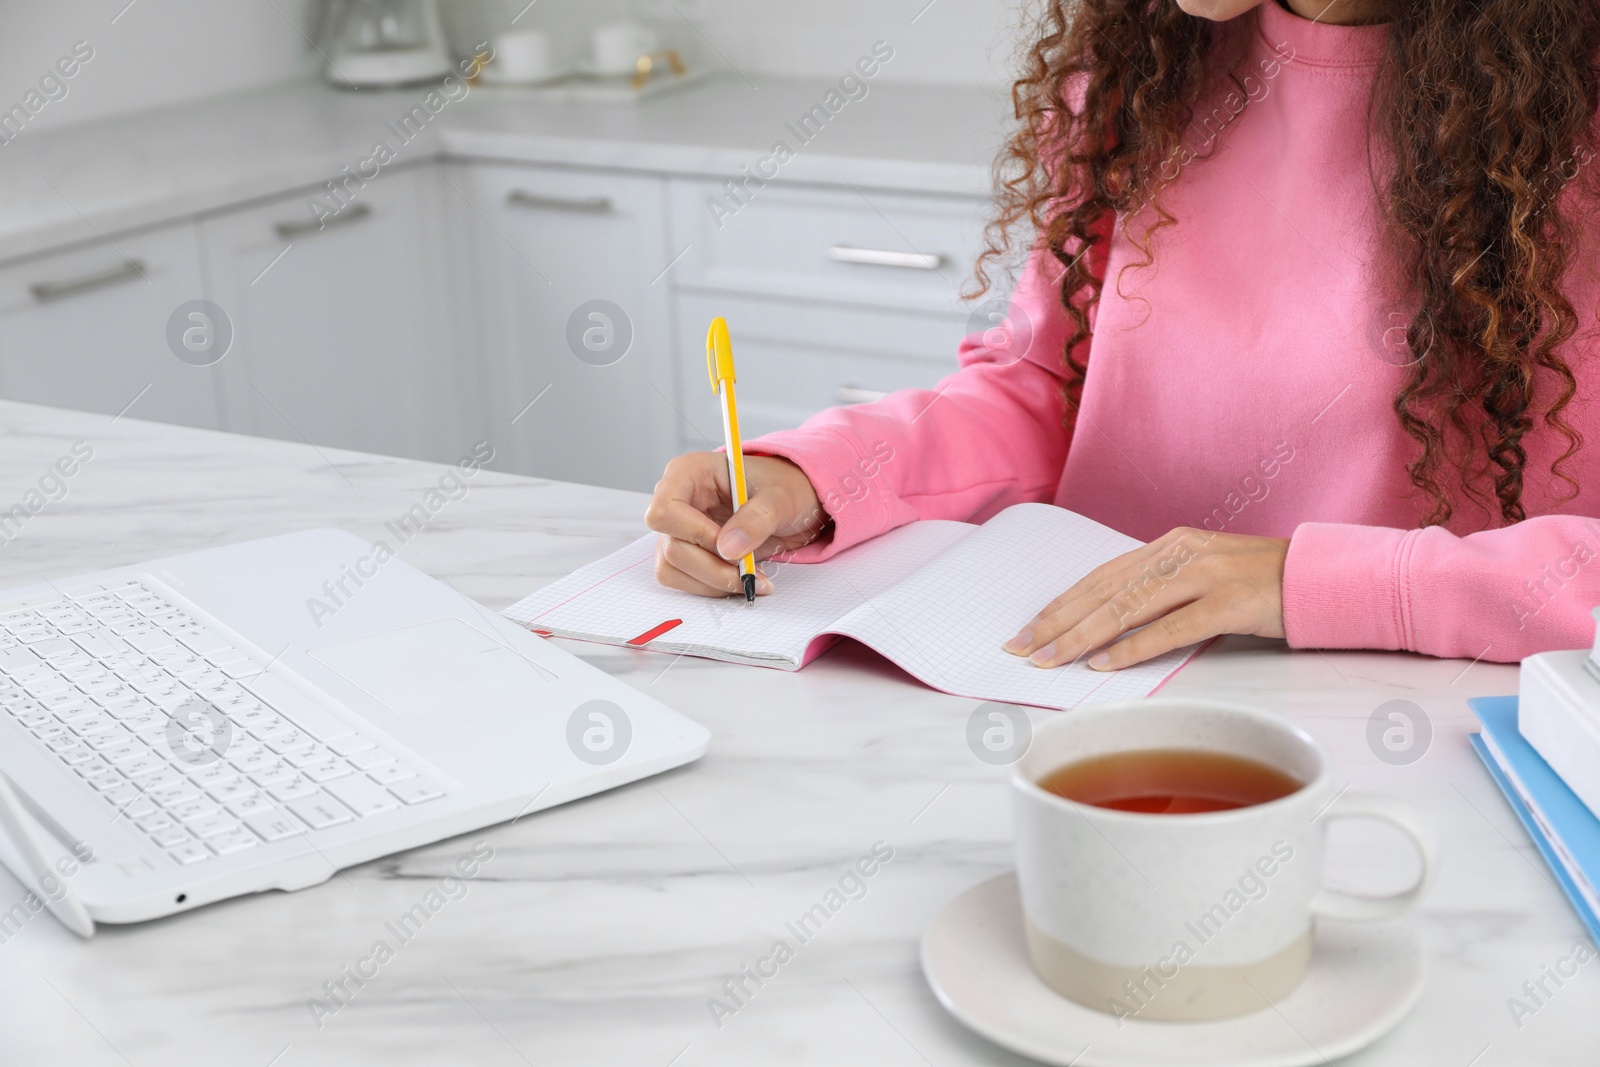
column 1311, row 306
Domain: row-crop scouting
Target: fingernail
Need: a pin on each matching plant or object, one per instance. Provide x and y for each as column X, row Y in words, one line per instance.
column 1100, row 660
column 733, row 544
column 1018, row 645
column 1043, row 657
column 763, row 584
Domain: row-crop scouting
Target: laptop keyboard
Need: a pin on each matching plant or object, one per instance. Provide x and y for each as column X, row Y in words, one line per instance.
column 165, row 720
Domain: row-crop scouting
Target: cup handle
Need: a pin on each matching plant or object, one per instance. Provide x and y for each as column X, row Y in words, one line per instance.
column 1360, row 907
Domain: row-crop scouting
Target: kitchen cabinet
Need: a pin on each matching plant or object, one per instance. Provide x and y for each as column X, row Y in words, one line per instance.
column 834, row 296
column 557, row 313
column 575, row 318
column 795, row 359
column 87, row 328
column 841, row 246
column 342, row 330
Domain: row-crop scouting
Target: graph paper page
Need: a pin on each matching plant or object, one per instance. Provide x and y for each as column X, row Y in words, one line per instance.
column 618, row 599
column 946, row 623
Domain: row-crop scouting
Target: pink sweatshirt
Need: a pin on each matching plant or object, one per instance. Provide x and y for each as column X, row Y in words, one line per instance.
column 1244, row 384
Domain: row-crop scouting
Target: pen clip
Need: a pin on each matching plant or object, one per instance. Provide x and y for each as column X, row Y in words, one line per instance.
column 719, row 354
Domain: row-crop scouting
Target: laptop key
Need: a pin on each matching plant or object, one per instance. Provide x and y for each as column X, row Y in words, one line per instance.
column 169, row 838
column 273, row 827
column 166, row 782
column 123, row 752
column 364, row 797
column 416, row 790
column 92, row 724
column 273, row 775
column 204, row 642
column 254, row 761
column 320, row 811
column 370, row 758
column 14, row 659
column 287, row 741
column 228, row 792
column 254, row 804
column 236, row 840
column 213, row 774
column 56, row 648
column 211, row 825
column 148, row 641
column 390, row 773
column 137, row 808
column 141, row 767
column 327, row 772
column 193, row 809
column 293, row 789
column 190, row 854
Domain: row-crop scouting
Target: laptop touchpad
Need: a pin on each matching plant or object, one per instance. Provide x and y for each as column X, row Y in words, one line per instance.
column 441, row 666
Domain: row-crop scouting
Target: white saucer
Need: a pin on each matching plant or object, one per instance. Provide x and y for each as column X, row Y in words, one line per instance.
column 1364, row 978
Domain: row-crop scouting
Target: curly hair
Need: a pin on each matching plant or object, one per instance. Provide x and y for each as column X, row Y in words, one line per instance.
column 1486, row 114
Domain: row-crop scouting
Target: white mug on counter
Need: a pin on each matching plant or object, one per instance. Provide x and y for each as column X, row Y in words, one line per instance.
column 523, row 56
column 618, row 46
column 1142, row 912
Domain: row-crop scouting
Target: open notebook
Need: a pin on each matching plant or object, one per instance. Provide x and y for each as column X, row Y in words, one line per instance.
column 938, row 598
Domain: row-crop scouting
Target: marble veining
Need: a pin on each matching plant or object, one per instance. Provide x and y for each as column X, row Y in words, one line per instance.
column 599, row 932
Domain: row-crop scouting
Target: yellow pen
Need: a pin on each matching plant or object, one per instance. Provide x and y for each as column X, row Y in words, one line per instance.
column 719, row 364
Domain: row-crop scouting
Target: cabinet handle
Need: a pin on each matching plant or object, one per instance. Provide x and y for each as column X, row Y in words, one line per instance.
column 595, row 205
column 353, row 213
column 877, row 257
column 45, row 292
column 849, row 394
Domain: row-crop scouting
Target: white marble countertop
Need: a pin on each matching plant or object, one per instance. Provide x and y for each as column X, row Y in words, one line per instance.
column 600, row 930
column 82, row 181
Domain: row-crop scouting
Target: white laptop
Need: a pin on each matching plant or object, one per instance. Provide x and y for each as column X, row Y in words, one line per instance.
column 259, row 716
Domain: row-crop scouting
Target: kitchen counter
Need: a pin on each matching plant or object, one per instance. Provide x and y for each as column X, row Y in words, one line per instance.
column 83, row 182
column 599, row 931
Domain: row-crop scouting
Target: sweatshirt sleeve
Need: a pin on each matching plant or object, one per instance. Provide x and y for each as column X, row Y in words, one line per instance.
column 1499, row 595
column 989, row 435
column 992, row 434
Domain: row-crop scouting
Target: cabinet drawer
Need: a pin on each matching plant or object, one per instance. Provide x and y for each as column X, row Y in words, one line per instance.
column 565, row 255
column 876, row 249
column 88, row 328
column 340, row 338
column 794, row 360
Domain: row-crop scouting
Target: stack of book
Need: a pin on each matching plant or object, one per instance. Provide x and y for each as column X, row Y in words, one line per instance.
column 1543, row 750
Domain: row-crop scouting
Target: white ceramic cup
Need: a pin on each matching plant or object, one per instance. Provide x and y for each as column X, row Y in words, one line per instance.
column 524, row 56
column 618, row 46
column 1197, row 916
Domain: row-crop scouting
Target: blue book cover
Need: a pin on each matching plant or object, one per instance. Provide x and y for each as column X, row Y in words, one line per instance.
column 1567, row 835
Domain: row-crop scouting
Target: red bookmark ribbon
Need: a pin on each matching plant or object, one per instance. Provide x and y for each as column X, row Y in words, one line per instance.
column 650, row 635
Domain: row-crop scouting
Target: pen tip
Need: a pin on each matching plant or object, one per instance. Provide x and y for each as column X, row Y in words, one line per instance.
column 749, row 582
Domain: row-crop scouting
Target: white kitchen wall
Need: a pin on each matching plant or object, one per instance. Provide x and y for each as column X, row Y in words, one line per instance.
column 149, row 53
column 961, row 41
column 153, row 52
column 950, row 41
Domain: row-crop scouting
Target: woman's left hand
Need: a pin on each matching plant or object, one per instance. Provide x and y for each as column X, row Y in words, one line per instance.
column 1182, row 588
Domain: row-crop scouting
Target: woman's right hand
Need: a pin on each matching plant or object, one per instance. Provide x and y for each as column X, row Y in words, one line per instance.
column 704, row 540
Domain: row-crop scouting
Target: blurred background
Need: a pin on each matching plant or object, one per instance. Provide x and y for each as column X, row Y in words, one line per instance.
column 409, row 227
